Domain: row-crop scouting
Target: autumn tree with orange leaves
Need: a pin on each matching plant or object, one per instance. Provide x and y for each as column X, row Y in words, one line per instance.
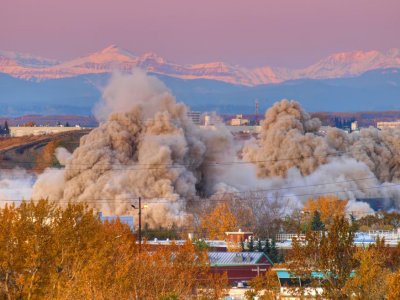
column 220, row 220
column 328, row 206
column 47, row 158
column 50, row 252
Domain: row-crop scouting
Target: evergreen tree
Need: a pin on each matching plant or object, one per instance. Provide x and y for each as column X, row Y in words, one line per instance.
column 267, row 248
column 242, row 247
column 317, row 224
column 353, row 222
column 251, row 244
column 259, row 246
column 6, row 128
column 274, row 254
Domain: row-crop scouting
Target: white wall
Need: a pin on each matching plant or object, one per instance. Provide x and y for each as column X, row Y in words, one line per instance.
column 39, row 130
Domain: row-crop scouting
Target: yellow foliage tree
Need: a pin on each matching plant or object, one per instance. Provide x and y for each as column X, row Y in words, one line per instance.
column 393, row 286
column 264, row 287
column 328, row 206
column 46, row 158
column 220, row 220
column 48, row 252
column 330, row 252
column 369, row 280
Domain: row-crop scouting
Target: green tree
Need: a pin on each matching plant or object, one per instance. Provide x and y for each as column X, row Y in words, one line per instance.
column 274, row 253
column 316, row 223
column 242, row 246
column 251, row 244
column 6, row 128
column 267, row 248
column 259, row 246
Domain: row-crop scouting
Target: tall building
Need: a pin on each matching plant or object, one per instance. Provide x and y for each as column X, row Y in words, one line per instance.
column 195, row 116
column 354, row 126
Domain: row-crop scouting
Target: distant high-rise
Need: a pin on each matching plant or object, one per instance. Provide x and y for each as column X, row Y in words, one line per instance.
column 195, row 116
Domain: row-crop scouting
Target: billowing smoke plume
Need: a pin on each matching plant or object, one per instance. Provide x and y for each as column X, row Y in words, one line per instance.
column 146, row 147
column 290, row 138
column 15, row 185
column 366, row 163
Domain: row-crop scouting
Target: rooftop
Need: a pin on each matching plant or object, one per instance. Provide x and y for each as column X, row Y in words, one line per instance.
column 235, row 258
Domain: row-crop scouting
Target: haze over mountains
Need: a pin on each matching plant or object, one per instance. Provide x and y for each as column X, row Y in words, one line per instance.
column 348, row 81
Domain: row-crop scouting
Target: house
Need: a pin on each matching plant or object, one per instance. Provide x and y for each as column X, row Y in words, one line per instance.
column 239, row 266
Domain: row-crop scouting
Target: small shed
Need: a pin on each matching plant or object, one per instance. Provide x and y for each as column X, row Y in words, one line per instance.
column 239, row 266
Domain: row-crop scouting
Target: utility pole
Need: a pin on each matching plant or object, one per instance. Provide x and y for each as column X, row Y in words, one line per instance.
column 140, row 221
column 140, row 224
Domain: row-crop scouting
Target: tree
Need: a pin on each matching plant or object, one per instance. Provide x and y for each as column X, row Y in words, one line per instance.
column 317, row 224
column 251, row 244
column 353, row 222
column 393, row 286
column 267, row 248
column 49, row 252
column 242, row 246
column 265, row 287
column 47, row 158
column 330, row 252
column 6, row 129
column 273, row 253
column 328, row 206
column 370, row 277
column 30, row 124
column 201, row 245
column 259, row 246
column 219, row 221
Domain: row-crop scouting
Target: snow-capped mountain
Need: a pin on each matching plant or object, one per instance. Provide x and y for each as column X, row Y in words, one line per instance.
column 350, row 64
column 114, row 58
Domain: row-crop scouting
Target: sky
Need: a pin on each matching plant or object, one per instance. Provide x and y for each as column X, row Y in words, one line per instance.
column 287, row 33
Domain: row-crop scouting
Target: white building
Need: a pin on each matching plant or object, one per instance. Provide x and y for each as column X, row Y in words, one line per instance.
column 354, row 126
column 386, row 125
column 39, row 130
column 239, row 121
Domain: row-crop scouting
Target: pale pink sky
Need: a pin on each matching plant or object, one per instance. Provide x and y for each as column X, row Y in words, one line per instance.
column 247, row 32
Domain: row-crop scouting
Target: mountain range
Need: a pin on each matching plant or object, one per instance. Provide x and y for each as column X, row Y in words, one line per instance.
column 349, row 81
column 343, row 64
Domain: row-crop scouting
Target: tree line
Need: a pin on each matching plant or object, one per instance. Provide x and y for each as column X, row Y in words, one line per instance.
column 52, row 252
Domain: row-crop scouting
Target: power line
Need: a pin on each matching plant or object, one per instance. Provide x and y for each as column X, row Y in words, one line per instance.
column 152, row 166
column 160, row 200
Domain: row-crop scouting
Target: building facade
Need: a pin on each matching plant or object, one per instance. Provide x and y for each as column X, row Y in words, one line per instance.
column 386, row 125
column 239, row 266
column 16, row 131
